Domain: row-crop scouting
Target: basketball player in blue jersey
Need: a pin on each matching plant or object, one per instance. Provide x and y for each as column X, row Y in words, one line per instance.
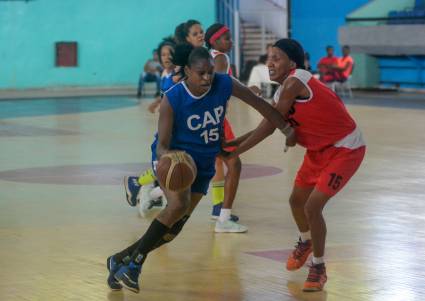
column 165, row 53
column 191, row 119
column 144, row 189
column 141, row 190
column 190, row 32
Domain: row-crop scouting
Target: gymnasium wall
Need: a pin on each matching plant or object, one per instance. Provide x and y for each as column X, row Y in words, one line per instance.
column 378, row 8
column 315, row 24
column 114, row 38
column 394, row 51
column 274, row 14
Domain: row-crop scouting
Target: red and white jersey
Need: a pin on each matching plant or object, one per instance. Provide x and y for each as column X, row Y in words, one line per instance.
column 322, row 120
column 215, row 53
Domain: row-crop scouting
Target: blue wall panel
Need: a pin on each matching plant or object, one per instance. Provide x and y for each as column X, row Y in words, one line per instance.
column 402, row 71
column 315, row 24
column 224, row 14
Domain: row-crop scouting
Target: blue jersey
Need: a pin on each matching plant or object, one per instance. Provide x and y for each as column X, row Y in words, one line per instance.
column 166, row 82
column 198, row 121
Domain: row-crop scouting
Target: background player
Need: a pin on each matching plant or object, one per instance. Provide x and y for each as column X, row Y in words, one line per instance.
column 224, row 187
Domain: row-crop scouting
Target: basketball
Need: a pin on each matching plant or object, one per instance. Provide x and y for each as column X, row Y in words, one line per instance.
column 176, row 171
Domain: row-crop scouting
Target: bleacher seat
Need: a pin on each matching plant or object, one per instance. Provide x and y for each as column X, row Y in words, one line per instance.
column 412, row 16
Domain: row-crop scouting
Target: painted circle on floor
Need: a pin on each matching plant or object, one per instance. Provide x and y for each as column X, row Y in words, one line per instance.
column 104, row 174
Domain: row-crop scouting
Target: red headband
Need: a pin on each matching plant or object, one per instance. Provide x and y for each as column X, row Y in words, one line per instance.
column 218, row 34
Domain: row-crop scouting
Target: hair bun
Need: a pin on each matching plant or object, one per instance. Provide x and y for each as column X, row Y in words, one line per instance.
column 181, row 54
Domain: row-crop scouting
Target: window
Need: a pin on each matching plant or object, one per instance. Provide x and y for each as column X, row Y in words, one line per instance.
column 66, row 54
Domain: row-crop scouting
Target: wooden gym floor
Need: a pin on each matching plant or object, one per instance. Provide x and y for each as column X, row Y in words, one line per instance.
column 63, row 211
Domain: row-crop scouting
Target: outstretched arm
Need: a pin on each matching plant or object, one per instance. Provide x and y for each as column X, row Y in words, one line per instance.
column 292, row 89
column 246, row 95
column 249, row 140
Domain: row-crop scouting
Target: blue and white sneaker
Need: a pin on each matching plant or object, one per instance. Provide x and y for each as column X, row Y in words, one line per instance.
column 113, row 267
column 216, row 213
column 132, row 188
column 128, row 276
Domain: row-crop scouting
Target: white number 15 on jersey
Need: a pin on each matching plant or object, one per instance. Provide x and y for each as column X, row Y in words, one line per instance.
column 210, row 135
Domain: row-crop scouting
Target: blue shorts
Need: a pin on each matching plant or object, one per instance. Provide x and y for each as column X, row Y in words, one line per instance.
column 206, row 171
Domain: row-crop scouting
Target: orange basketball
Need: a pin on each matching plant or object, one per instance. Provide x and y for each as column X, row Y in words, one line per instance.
column 176, row 171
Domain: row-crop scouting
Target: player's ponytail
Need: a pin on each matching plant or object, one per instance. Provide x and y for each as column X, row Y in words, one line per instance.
column 179, row 34
column 181, row 54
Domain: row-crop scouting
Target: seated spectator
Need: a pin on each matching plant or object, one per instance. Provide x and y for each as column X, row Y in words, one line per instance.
column 326, row 66
column 151, row 73
column 345, row 65
column 259, row 73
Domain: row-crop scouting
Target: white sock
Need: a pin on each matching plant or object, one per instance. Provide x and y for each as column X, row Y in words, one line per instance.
column 224, row 215
column 305, row 236
column 318, row 260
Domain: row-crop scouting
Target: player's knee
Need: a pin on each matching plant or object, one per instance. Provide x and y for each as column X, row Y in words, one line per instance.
column 182, row 207
column 177, row 209
column 295, row 202
column 235, row 165
column 238, row 164
column 312, row 210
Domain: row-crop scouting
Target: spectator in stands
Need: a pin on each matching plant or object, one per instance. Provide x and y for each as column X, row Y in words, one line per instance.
column 151, row 73
column 259, row 79
column 326, row 66
column 345, row 65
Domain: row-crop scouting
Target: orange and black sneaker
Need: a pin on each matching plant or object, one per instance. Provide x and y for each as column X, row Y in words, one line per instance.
column 299, row 256
column 316, row 278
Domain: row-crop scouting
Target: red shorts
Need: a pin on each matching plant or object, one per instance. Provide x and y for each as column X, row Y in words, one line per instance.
column 330, row 169
column 228, row 134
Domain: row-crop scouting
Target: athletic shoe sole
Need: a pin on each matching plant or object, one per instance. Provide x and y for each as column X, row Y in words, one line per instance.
column 128, row 194
column 128, row 287
column 108, row 265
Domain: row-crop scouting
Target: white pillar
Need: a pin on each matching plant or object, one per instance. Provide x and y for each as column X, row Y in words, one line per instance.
column 236, row 22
